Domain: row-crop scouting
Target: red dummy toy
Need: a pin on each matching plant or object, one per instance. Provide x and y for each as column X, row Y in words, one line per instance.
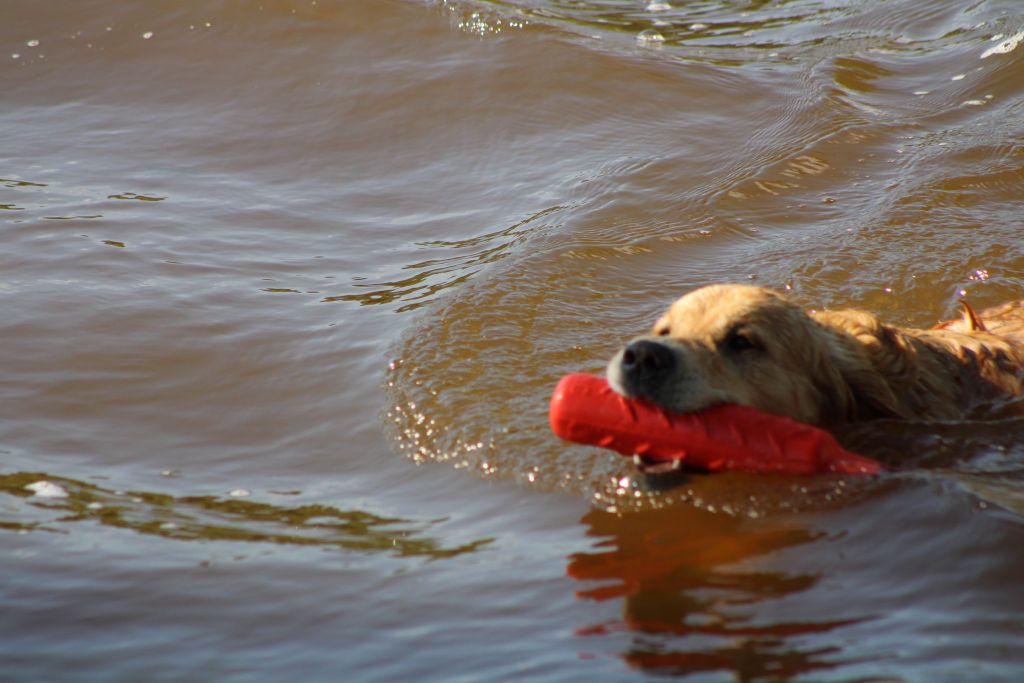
column 584, row 409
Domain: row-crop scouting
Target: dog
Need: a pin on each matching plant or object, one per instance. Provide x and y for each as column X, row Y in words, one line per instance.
column 750, row 345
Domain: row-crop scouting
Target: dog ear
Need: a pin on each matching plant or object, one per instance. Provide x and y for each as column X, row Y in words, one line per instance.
column 972, row 320
column 861, row 362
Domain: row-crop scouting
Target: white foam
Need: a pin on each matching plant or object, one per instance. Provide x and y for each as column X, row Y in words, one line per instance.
column 1008, row 45
column 47, row 489
column 650, row 37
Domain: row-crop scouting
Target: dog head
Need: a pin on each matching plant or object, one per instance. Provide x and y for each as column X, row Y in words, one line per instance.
column 750, row 346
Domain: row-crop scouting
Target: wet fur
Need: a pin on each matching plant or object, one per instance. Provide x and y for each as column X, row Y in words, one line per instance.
column 749, row 345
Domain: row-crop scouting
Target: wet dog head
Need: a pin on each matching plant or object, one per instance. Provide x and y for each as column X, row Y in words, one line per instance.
column 730, row 344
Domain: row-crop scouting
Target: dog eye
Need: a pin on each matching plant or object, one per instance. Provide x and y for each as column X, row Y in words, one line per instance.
column 739, row 340
column 662, row 331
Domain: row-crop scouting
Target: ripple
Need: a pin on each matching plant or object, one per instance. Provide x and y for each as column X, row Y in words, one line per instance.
column 20, row 183
column 854, row 169
column 212, row 518
column 436, row 275
column 471, row 382
column 136, row 197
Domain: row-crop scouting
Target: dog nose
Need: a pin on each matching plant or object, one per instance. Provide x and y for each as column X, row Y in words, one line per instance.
column 647, row 357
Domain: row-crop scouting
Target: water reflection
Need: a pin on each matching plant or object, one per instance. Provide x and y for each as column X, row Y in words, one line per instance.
column 211, row 518
column 691, row 594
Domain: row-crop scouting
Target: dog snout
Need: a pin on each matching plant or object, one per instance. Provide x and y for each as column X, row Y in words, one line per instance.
column 645, row 367
column 646, row 357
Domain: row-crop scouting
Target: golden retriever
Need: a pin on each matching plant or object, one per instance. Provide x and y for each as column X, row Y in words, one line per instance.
column 749, row 345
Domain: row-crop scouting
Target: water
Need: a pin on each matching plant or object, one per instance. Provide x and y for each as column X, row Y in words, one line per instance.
column 286, row 287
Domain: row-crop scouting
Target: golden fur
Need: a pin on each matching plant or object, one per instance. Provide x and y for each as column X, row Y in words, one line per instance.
column 749, row 345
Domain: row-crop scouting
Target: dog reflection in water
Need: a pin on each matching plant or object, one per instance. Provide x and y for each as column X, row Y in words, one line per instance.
column 686, row 597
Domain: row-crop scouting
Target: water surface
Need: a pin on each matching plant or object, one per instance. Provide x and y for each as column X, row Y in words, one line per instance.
column 287, row 285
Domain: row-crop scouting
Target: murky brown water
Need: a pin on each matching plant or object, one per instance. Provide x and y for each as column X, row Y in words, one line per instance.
column 286, row 287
